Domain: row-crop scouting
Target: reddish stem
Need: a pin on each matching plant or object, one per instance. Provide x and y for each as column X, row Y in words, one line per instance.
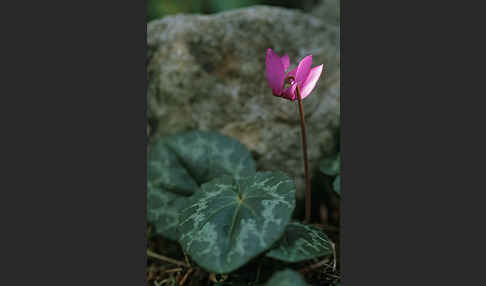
column 306, row 165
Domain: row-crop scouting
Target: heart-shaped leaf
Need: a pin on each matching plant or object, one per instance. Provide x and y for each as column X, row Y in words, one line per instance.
column 182, row 162
column 163, row 208
column 286, row 277
column 301, row 242
column 231, row 220
column 166, row 171
column 179, row 164
column 337, row 185
column 331, row 166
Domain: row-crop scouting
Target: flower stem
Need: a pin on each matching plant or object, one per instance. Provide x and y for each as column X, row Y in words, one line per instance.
column 306, row 164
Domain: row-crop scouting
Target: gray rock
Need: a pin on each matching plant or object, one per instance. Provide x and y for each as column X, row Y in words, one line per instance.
column 208, row 72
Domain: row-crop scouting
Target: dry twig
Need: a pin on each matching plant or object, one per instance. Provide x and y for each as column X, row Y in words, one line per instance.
column 166, row 259
column 185, row 276
column 178, row 269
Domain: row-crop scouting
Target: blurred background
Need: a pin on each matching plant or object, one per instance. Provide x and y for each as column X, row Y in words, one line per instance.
column 160, row 8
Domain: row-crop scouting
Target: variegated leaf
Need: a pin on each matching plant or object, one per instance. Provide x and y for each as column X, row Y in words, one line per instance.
column 163, row 209
column 301, row 242
column 233, row 220
column 166, row 171
column 206, row 155
column 179, row 164
column 286, row 277
column 182, row 162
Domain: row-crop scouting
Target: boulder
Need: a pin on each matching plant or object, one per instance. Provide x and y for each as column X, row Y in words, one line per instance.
column 207, row 72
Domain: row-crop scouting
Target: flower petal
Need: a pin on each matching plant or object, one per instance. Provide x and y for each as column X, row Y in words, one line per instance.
column 289, row 93
column 311, row 81
column 292, row 73
column 275, row 72
column 303, row 69
column 285, row 61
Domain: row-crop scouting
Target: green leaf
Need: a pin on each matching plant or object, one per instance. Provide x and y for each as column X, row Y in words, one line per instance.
column 337, row 185
column 181, row 163
column 163, row 208
column 232, row 220
column 331, row 166
column 286, row 277
column 301, row 242
column 166, row 171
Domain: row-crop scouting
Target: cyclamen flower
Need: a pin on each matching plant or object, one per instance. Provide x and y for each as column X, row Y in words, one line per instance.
column 302, row 76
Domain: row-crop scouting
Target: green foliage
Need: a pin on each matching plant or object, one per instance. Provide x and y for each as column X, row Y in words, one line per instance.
column 179, row 164
column 332, row 167
column 182, row 162
column 286, row 277
column 301, row 242
column 163, row 209
column 159, row 8
column 203, row 191
column 223, row 5
column 165, row 171
column 232, row 220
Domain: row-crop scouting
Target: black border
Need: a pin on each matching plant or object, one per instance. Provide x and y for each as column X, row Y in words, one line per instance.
column 409, row 108
column 74, row 144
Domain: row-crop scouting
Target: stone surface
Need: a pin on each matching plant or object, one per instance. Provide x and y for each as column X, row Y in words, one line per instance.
column 208, row 72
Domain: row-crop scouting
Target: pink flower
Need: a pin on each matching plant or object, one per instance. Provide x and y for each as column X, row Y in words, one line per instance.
column 302, row 76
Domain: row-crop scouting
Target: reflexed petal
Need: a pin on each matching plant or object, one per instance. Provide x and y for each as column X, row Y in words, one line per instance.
column 275, row 72
column 303, row 69
column 285, row 61
column 311, row 81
